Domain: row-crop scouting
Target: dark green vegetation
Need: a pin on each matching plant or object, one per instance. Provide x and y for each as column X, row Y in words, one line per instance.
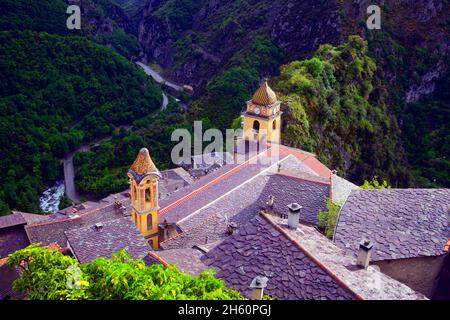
column 227, row 93
column 426, row 133
column 98, row 21
column 327, row 219
column 409, row 49
column 40, row 15
column 336, row 107
column 102, row 170
column 179, row 14
column 56, row 92
column 49, row 275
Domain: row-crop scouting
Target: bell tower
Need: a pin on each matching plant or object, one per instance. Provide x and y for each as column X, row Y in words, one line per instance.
column 144, row 179
column 263, row 116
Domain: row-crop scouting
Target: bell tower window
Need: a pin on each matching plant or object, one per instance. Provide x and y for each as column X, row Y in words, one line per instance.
column 148, row 197
column 149, row 222
column 134, row 192
column 256, row 125
column 274, row 124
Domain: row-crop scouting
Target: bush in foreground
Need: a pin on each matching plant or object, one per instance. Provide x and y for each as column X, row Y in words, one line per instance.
column 50, row 275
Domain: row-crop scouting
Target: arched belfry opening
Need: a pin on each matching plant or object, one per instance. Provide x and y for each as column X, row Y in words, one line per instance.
column 274, row 124
column 256, row 125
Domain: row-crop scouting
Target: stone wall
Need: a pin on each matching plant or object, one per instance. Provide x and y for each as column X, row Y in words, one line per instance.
column 420, row 274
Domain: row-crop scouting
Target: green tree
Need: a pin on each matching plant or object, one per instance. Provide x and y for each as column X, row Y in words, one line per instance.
column 375, row 184
column 64, row 202
column 328, row 218
column 48, row 274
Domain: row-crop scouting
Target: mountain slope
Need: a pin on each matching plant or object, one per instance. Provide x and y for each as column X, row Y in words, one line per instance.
column 210, row 45
column 55, row 92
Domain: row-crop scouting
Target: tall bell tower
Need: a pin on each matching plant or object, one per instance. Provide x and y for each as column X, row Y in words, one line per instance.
column 144, row 179
column 263, row 116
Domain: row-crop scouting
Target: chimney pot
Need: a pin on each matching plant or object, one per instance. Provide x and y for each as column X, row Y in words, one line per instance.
column 294, row 215
column 98, row 226
column 232, row 226
column 364, row 253
column 257, row 285
column 270, row 201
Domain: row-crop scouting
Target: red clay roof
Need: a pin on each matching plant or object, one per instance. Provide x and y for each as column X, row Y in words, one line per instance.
column 308, row 159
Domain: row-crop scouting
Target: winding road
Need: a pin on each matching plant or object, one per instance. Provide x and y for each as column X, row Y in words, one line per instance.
column 69, row 171
column 157, row 77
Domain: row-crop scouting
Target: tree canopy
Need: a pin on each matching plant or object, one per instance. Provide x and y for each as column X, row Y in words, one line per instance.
column 50, row 275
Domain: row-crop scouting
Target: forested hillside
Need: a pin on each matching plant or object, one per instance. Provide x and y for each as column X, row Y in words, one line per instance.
column 56, row 92
column 211, row 45
column 335, row 106
column 102, row 170
column 101, row 21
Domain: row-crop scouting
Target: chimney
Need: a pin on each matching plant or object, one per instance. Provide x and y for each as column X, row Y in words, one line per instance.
column 258, row 284
column 232, row 226
column 364, row 253
column 294, row 215
column 270, row 201
column 98, row 226
column 73, row 213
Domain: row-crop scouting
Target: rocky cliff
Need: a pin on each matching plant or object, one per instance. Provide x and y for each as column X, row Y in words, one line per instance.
column 218, row 29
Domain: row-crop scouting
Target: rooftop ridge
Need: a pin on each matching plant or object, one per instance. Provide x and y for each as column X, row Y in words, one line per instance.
column 232, row 190
column 155, row 256
column 342, row 283
column 76, row 218
column 209, row 184
column 284, row 174
column 178, row 235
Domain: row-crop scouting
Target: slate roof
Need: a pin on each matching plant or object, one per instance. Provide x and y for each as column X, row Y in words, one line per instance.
column 12, row 233
column 402, row 223
column 8, row 275
column 186, row 259
column 12, row 239
column 257, row 249
column 367, row 283
column 89, row 243
column 240, row 205
column 12, row 220
column 200, row 193
column 52, row 231
column 300, row 264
